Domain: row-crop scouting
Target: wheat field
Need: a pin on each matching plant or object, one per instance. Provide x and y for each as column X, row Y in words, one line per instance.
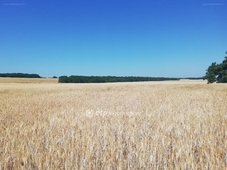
column 28, row 80
column 160, row 125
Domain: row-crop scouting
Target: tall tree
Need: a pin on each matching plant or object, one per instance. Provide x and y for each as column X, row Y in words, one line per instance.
column 223, row 71
column 210, row 74
column 217, row 72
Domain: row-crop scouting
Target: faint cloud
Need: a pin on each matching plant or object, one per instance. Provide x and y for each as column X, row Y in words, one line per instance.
column 14, row 4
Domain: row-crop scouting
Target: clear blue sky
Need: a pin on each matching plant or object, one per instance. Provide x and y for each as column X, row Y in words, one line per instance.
column 177, row 38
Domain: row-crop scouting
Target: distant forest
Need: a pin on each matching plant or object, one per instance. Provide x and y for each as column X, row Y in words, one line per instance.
column 95, row 79
column 106, row 79
column 20, row 75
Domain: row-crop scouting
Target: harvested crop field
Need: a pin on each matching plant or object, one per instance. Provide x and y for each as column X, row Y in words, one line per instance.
column 28, row 80
column 146, row 125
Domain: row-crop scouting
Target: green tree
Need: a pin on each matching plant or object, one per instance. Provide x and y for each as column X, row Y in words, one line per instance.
column 63, row 79
column 210, row 74
column 223, row 71
column 217, row 72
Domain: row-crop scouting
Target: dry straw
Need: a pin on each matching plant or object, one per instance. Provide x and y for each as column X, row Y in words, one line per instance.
column 179, row 126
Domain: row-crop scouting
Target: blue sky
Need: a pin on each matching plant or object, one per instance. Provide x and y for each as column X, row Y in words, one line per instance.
column 177, row 38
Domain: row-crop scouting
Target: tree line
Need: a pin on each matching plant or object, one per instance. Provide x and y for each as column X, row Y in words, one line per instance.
column 106, row 79
column 217, row 72
column 20, row 75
